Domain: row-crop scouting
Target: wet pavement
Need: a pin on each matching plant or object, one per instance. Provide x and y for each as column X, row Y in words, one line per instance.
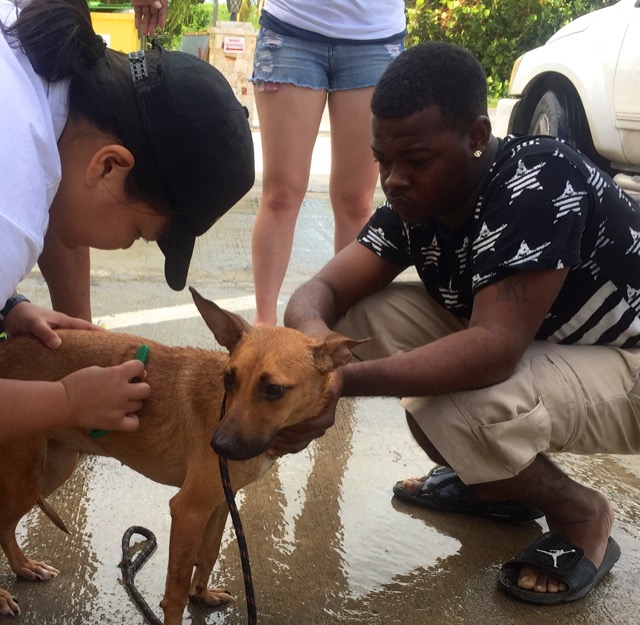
column 328, row 543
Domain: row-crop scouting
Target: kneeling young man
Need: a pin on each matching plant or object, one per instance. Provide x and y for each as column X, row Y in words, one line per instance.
column 520, row 338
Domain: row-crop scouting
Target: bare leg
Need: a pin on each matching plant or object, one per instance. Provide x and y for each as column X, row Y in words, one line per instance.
column 422, row 440
column 354, row 172
column 413, row 484
column 289, row 122
column 67, row 275
column 580, row 515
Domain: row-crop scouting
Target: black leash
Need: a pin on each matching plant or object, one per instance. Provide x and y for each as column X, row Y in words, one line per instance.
column 252, row 614
column 131, row 567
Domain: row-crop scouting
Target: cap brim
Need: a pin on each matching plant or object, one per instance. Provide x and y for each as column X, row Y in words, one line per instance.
column 178, row 250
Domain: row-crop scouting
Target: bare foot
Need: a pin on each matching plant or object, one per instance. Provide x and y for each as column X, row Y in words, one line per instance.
column 413, row 484
column 580, row 515
column 586, row 525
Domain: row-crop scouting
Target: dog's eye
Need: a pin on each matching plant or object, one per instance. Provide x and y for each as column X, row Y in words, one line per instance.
column 274, row 391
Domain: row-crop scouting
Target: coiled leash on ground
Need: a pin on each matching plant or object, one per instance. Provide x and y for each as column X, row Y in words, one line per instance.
column 131, row 567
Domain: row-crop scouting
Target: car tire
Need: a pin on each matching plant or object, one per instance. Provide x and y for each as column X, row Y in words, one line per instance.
column 561, row 115
column 551, row 117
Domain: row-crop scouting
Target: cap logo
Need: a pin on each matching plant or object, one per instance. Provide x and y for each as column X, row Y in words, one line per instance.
column 138, row 66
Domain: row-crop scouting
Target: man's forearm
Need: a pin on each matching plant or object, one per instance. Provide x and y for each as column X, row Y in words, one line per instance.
column 462, row 361
column 311, row 308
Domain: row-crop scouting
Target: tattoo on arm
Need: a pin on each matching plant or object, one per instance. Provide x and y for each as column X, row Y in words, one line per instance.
column 512, row 290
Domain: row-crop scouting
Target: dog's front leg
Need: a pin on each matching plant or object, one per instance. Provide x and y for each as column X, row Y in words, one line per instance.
column 207, row 556
column 21, row 481
column 190, row 511
column 22, row 566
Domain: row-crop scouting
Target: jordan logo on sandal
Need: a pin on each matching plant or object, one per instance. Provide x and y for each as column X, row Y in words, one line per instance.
column 555, row 554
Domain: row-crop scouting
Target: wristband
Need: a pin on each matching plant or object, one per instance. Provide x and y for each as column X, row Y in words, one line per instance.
column 10, row 304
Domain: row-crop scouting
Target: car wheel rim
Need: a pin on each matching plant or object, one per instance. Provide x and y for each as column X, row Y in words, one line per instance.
column 542, row 127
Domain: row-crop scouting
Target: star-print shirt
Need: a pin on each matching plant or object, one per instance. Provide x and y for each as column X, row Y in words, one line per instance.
column 544, row 206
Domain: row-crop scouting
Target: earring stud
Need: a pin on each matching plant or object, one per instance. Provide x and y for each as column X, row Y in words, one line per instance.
column 478, row 153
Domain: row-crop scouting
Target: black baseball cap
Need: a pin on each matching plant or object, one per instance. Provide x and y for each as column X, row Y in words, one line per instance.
column 200, row 136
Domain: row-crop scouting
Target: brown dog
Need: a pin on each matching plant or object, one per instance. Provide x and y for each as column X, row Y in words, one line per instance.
column 273, row 378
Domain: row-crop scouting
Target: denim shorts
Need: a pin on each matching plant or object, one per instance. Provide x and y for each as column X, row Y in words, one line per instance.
column 283, row 59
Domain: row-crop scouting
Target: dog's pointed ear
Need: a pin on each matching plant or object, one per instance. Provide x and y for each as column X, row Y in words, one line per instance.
column 333, row 351
column 227, row 327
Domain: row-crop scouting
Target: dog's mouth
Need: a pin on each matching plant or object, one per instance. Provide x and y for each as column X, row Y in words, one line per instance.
column 233, row 446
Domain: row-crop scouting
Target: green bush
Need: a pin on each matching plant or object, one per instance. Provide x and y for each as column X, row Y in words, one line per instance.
column 187, row 16
column 496, row 31
column 192, row 16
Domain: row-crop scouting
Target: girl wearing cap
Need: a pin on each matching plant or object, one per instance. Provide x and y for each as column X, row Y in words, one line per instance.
column 86, row 159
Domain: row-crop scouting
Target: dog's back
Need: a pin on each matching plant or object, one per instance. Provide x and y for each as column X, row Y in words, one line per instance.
column 26, row 358
column 179, row 415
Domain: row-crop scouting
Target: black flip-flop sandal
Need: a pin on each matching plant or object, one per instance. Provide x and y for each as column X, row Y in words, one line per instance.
column 557, row 558
column 443, row 490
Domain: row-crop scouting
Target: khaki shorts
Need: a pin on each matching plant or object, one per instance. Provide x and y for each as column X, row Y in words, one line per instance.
column 561, row 398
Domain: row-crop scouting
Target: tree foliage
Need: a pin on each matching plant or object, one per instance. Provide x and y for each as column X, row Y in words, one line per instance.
column 196, row 16
column 496, row 31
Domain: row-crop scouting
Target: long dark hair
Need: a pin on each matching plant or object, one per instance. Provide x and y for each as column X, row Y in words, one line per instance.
column 58, row 38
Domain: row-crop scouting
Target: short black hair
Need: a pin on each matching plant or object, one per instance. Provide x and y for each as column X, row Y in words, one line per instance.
column 433, row 73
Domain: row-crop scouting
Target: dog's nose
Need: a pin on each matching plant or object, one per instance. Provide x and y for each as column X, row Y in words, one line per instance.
column 234, row 447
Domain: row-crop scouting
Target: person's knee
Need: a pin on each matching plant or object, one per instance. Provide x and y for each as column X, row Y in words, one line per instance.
column 356, row 203
column 282, row 198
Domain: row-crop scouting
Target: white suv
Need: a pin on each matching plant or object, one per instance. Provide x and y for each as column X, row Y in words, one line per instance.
column 583, row 85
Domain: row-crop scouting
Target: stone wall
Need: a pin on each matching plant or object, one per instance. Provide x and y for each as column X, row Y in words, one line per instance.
column 231, row 48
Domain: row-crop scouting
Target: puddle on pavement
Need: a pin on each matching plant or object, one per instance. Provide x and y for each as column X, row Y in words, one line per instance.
column 327, row 542
column 326, row 510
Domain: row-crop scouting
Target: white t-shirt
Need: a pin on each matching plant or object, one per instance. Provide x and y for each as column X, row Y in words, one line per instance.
column 33, row 114
column 342, row 19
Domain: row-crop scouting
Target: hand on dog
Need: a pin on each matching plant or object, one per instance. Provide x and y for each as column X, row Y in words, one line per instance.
column 27, row 318
column 104, row 398
column 297, row 437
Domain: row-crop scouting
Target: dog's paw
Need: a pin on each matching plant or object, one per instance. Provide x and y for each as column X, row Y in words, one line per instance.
column 8, row 605
column 211, row 596
column 35, row 571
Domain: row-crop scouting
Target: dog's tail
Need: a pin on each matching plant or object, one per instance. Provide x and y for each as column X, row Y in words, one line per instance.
column 51, row 513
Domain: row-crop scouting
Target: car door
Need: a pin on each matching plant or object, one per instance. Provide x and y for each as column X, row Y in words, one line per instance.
column 626, row 91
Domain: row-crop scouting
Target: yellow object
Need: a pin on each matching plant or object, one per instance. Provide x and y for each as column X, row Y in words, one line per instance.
column 245, row 11
column 117, row 29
